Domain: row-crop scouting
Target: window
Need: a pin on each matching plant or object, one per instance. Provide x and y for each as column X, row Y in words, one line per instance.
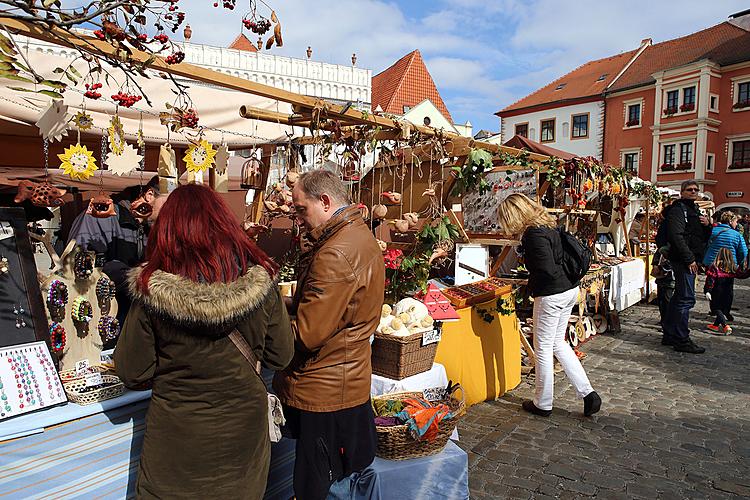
column 634, row 115
column 561, row 86
column 714, row 103
column 673, row 97
column 522, row 129
column 631, row 162
column 580, row 126
column 740, row 154
column 743, row 96
column 669, row 155
column 710, row 160
column 688, row 99
column 406, row 109
column 686, row 155
column 427, row 121
column 602, row 77
column 547, row 128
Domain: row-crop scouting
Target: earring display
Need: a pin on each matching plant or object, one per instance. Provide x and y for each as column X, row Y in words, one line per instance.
column 81, row 310
column 57, row 337
column 28, row 380
column 83, row 266
column 109, row 328
column 18, row 311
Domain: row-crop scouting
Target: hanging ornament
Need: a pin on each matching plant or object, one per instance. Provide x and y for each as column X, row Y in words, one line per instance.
column 221, row 160
column 53, row 121
column 116, row 136
column 83, row 121
column 78, row 162
column 101, row 206
column 124, row 162
column 199, row 157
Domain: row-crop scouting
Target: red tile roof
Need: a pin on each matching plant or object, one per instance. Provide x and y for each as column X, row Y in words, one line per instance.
column 243, row 43
column 583, row 81
column 521, row 142
column 406, row 83
column 724, row 44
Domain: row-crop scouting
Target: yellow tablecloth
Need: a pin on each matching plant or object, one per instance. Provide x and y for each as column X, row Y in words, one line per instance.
column 485, row 358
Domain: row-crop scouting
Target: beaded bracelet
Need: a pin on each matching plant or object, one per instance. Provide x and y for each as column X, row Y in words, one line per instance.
column 81, row 310
column 57, row 337
column 109, row 328
column 58, row 294
column 105, row 288
column 83, row 266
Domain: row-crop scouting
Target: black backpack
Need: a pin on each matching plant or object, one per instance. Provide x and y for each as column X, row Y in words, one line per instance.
column 576, row 256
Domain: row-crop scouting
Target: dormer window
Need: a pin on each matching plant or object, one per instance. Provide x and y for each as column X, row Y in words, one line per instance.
column 602, row 78
column 561, row 86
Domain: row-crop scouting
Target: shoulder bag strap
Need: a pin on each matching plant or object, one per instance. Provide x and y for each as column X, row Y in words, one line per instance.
column 711, row 240
column 241, row 344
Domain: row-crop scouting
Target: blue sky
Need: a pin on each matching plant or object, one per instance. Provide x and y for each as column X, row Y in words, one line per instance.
column 482, row 54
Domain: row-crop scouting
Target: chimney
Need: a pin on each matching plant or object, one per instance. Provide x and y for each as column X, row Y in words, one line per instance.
column 646, row 41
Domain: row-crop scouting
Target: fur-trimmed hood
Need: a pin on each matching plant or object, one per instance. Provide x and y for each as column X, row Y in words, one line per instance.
column 203, row 308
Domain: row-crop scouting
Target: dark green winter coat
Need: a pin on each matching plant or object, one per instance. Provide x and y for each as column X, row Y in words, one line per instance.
column 207, row 428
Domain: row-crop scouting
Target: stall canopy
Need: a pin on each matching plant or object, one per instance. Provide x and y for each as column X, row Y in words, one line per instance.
column 217, row 107
column 521, row 142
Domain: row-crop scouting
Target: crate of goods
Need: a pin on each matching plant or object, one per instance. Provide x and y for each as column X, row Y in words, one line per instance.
column 467, row 295
column 397, row 442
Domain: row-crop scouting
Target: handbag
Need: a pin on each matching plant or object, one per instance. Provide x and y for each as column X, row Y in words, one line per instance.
column 275, row 413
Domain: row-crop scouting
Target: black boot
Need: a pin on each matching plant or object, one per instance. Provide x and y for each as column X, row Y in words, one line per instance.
column 592, row 403
column 689, row 347
column 530, row 407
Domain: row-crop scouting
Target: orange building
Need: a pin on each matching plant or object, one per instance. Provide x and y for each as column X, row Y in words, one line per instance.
column 681, row 111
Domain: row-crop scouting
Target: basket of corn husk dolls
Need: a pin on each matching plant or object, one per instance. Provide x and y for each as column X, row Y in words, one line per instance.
column 411, row 425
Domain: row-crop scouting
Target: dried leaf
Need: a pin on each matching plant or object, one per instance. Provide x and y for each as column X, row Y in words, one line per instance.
column 50, row 93
column 273, row 17
column 54, row 84
column 6, row 66
column 277, row 35
column 269, row 42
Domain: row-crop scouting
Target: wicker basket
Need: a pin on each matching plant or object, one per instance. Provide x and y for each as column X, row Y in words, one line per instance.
column 398, row 357
column 70, row 375
column 396, row 443
column 72, row 389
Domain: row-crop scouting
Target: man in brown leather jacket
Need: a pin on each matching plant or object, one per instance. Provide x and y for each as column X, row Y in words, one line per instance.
column 326, row 388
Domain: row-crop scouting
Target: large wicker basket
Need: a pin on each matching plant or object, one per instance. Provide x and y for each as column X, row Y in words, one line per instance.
column 73, row 390
column 396, row 443
column 398, row 357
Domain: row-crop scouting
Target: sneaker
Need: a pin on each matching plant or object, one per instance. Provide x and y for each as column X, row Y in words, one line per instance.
column 730, row 317
column 689, row 347
column 592, row 403
column 708, row 296
column 666, row 341
column 713, row 328
column 727, row 330
column 530, row 407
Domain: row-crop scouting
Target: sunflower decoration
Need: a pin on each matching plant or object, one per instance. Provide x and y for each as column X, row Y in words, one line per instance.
column 116, row 135
column 83, row 121
column 78, row 162
column 200, row 156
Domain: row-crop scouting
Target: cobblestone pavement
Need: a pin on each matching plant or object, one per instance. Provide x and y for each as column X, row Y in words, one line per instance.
column 672, row 425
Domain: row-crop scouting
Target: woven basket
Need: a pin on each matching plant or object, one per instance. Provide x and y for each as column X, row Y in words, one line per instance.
column 70, row 375
column 396, row 443
column 72, row 389
column 398, row 357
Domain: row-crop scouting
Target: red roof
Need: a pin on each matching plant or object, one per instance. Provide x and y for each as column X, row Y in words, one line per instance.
column 243, row 43
column 406, row 83
column 588, row 80
column 723, row 44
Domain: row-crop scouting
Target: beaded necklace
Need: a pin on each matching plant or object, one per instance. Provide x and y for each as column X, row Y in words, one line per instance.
column 4, row 403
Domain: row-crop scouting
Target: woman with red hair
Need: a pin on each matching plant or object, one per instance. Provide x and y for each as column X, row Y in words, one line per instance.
column 207, row 426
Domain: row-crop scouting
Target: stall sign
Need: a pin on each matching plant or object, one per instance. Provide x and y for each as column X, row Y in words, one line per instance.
column 93, row 379
column 82, row 367
column 735, row 194
column 432, row 336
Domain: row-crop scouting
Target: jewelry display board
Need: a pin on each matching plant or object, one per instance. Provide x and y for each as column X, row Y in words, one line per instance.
column 22, row 317
column 480, row 210
column 28, row 380
column 81, row 308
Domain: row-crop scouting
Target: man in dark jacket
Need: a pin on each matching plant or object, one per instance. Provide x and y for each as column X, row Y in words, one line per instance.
column 688, row 233
column 326, row 388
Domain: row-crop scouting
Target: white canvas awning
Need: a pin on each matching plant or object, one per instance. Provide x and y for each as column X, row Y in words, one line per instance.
column 218, row 109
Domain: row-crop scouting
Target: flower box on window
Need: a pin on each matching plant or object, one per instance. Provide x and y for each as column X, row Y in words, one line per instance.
column 670, row 111
column 667, row 167
column 632, row 123
column 742, row 105
column 687, row 107
column 684, row 166
column 740, row 164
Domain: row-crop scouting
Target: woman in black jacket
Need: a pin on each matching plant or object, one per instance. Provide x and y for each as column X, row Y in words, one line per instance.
column 554, row 297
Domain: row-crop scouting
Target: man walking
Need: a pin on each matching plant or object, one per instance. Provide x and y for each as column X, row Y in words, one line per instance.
column 688, row 232
column 326, row 388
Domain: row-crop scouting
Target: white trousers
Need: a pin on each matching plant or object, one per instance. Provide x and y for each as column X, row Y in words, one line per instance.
column 551, row 316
